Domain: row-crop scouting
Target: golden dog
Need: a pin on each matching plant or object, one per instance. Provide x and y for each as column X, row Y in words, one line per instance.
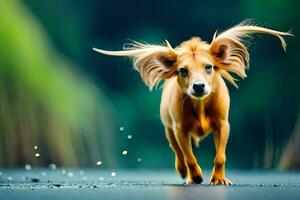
column 195, row 99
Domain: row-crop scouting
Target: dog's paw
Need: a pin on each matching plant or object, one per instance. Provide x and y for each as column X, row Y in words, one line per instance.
column 220, row 181
column 195, row 176
column 194, row 180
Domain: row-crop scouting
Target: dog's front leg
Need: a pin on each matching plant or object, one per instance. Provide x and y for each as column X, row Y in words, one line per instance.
column 221, row 134
column 179, row 160
column 184, row 141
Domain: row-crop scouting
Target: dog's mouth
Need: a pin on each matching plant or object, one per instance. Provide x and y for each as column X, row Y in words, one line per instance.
column 199, row 95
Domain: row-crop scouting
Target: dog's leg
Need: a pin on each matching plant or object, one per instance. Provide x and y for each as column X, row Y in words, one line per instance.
column 179, row 159
column 220, row 138
column 194, row 170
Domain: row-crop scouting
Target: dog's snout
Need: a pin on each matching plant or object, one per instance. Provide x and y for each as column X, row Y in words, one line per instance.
column 199, row 88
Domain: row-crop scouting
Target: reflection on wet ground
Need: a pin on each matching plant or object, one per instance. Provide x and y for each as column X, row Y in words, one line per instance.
column 59, row 183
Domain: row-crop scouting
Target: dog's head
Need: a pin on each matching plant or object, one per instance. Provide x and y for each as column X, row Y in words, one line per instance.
column 196, row 63
column 195, row 68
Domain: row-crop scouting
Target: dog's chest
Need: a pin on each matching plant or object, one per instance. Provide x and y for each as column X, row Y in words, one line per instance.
column 203, row 121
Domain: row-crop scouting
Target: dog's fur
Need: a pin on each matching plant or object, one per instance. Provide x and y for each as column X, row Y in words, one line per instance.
column 187, row 117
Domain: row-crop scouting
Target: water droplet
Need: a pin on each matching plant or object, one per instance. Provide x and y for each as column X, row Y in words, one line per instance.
column 70, row 174
column 99, row 163
column 44, row 173
column 37, row 155
column 124, row 152
column 52, row 166
column 9, row 178
column 139, row 159
column 81, row 172
column 122, row 128
column 28, row 167
column 84, row 178
column 129, row 137
column 0, row 173
column 35, row 147
column 113, row 174
column 63, row 171
column 101, row 178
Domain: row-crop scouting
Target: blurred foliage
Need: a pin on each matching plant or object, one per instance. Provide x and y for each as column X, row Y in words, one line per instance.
column 290, row 159
column 35, row 76
column 43, row 102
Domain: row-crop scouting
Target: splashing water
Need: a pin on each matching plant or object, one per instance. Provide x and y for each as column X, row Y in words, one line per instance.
column 129, row 137
column 122, row 128
column 70, row 174
column 113, row 174
column 52, row 166
column 37, row 155
column 35, row 147
column 44, row 173
column 124, row 152
column 139, row 159
column 28, row 167
column 99, row 163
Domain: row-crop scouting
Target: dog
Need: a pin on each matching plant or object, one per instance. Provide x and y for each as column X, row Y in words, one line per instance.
column 195, row 99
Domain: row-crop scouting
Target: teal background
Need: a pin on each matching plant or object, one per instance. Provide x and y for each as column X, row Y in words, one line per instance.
column 58, row 94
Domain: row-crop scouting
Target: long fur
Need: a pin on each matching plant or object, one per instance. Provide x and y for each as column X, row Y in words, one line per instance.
column 237, row 58
column 154, row 62
column 148, row 61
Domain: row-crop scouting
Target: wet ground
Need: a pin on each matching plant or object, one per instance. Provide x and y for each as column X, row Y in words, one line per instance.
column 98, row 184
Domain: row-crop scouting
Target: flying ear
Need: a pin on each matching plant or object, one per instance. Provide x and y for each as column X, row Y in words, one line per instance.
column 154, row 62
column 229, row 51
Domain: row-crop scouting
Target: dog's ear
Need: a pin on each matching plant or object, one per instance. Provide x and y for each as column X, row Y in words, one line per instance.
column 154, row 62
column 229, row 51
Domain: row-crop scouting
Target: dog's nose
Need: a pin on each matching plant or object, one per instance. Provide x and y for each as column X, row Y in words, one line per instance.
column 198, row 88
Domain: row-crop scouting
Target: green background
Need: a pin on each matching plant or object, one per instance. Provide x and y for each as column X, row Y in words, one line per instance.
column 58, row 94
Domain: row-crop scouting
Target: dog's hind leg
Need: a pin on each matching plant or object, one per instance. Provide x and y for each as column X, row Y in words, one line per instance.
column 221, row 134
column 179, row 158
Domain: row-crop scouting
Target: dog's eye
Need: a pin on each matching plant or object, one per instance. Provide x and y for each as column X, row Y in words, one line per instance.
column 183, row 71
column 208, row 68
